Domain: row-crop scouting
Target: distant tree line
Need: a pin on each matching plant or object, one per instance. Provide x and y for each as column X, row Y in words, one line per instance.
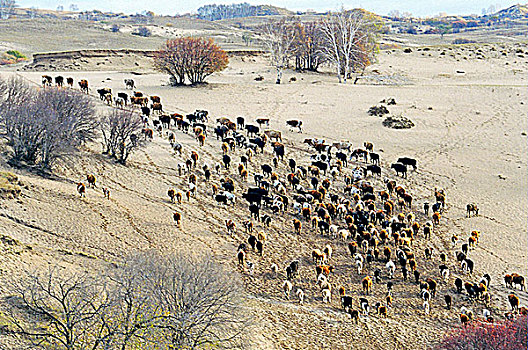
column 216, row 12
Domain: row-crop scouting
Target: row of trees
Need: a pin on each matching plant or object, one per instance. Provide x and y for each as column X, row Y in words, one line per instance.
column 44, row 125
column 192, row 59
column 149, row 301
column 347, row 40
column 215, row 12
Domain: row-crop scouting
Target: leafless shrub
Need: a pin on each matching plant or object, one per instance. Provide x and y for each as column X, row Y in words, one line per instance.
column 155, row 301
column 121, row 131
column 44, row 125
column 52, row 311
column 201, row 305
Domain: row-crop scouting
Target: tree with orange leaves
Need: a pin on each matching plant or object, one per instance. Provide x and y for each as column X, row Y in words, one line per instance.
column 192, row 59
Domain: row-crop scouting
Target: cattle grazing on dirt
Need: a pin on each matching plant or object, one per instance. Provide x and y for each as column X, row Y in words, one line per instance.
column 176, row 216
column 103, row 92
column 273, row 134
column 81, row 189
column 47, row 80
column 400, row 169
column 130, row 84
column 69, row 81
column 367, row 284
column 514, row 302
column 472, row 208
column 407, row 161
column 295, row 124
column 59, row 81
column 263, row 121
column 83, row 84
column 91, row 180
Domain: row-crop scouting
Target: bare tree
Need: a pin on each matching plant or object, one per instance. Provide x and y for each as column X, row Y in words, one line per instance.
column 201, row 305
column 350, row 40
column 53, row 311
column 134, row 308
column 6, row 8
column 279, row 37
column 43, row 126
column 121, row 131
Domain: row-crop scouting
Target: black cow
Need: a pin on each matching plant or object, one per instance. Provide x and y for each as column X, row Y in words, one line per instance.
column 266, row 169
column 259, row 143
column 221, row 131
column 400, row 168
column 226, row 159
column 220, row 198
column 292, row 164
column 346, row 302
column 323, row 226
column 252, row 198
column 102, row 92
column 408, row 161
column 374, row 169
column 257, row 190
column 228, row 186
column 145, row 111
column 321, row 165
column 279, row 151
column 255, row 211
column 252, row 129
column 165, row 120
column 240, row 122
column 342, row 157
column 374, row 158
column 124, row 96
column 266, row 220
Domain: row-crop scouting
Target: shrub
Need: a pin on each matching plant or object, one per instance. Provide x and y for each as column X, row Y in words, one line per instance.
column 15, row 53
column 44, row 125
column 143, row 31
column 121, row 133
column 190, row 58
column 114, row 28
column 507, row 335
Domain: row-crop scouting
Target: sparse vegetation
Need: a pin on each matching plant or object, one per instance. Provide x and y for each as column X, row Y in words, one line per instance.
column 12, row 56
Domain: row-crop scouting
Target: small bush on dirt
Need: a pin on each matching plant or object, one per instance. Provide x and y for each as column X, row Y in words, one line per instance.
column 378, row 111
column 507, row 335
column 143, row 31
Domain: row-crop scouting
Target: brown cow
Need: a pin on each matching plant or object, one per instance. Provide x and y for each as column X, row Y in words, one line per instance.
column 177, row 218
column 91, row 180
column 367, row 284
column 81, row 189
column 83, row 84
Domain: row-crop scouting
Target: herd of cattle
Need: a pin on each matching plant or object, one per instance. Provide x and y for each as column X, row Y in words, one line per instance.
column 332, row 195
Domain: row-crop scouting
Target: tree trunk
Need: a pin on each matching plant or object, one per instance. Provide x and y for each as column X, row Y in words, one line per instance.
column 279, row 75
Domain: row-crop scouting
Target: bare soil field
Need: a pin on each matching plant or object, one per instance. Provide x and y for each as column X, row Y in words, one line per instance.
column 468, row 103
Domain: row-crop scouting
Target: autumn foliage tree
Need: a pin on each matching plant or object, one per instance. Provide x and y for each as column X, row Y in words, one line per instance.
column 307, row 45
column 192, row 59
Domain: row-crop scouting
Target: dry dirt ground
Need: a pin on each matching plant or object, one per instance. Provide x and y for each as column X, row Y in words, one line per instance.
column 469, row 139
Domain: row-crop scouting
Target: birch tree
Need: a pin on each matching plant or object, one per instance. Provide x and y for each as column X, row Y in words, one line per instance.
column 6, row 8
column 279, row 37
column 350, row 41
